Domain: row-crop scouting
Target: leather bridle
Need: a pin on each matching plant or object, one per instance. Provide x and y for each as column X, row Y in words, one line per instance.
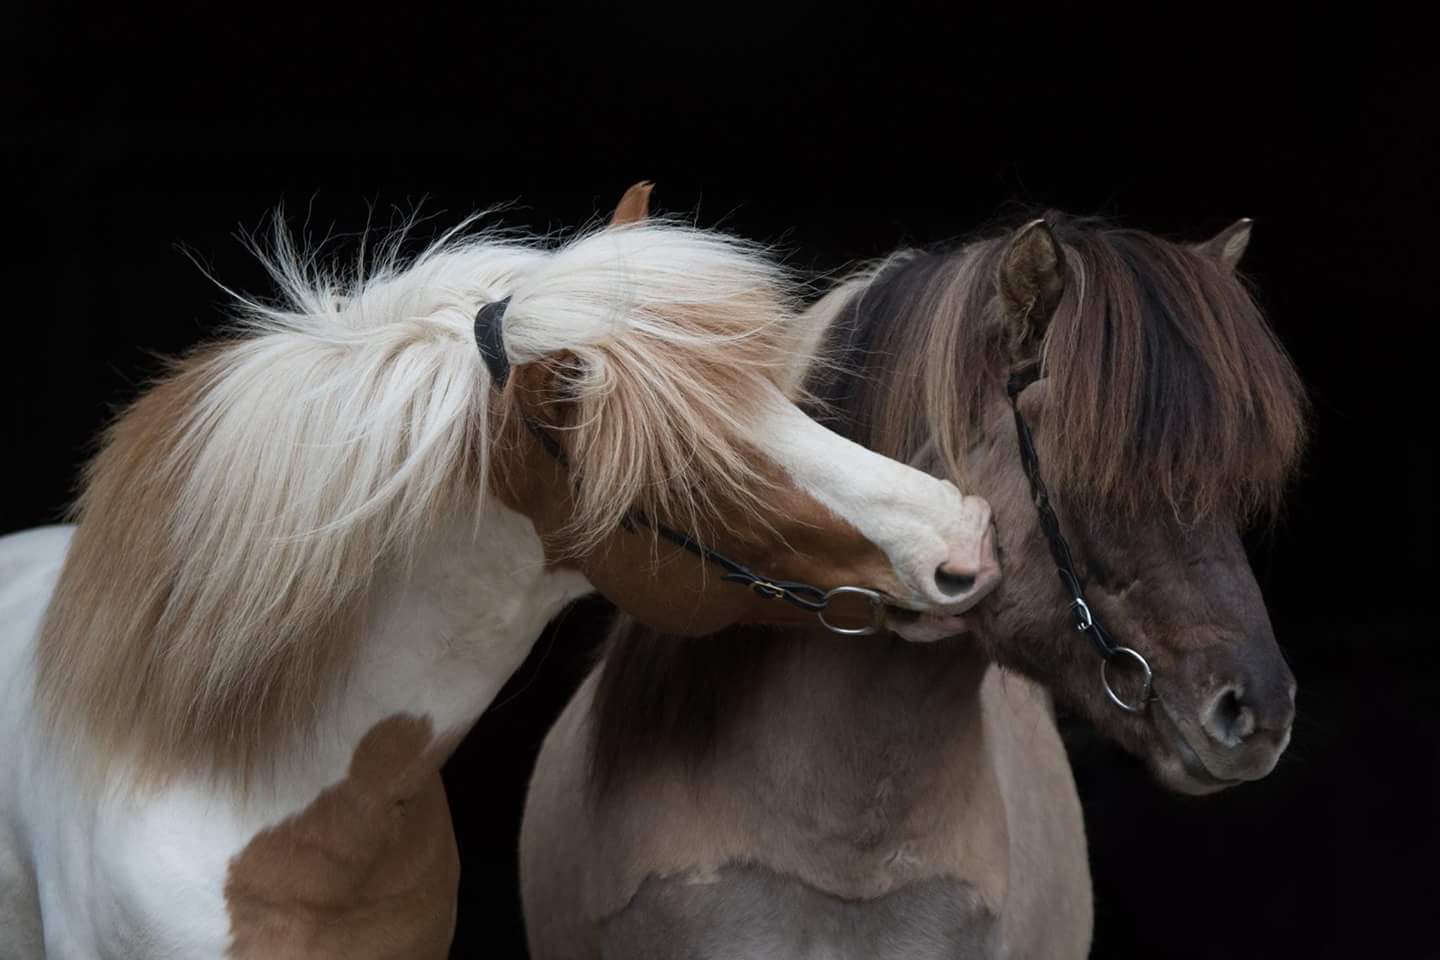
column 489, row 337
column 1085, row 621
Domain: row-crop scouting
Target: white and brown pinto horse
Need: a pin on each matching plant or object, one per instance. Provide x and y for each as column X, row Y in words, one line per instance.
column 308, row 557
column 786, row 794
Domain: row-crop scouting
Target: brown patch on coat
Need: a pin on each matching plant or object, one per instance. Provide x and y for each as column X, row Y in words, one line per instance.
column 369, row 869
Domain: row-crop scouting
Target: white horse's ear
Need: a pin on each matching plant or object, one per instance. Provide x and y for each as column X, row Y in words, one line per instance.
column 1228, row 246
column 634, row 206
column 1032, row 278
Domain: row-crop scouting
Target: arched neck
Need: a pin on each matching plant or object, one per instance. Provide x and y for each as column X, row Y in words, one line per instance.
column 441, row 635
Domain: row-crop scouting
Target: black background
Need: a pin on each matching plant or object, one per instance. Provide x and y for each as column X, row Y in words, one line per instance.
column 840, row 137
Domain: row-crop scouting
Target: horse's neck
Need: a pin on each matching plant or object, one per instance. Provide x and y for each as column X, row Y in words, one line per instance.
column 356, row 827
column 441, row 638
column 856, row 766
column 856, row 714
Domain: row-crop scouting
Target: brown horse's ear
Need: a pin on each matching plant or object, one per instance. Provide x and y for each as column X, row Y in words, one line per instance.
column 1228, row 246
column 1032, row 278
column 634, row 206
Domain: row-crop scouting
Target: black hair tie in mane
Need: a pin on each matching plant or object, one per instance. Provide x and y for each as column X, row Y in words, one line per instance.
column 490, row 338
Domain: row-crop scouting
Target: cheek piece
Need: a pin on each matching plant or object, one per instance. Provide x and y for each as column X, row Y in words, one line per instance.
column 490, row 339
column 1085, row 621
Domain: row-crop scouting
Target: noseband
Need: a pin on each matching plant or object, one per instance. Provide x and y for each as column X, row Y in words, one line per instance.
column 1085, row 621
column 490, row 339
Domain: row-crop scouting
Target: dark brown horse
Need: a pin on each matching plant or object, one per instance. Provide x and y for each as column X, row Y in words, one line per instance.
column 781, row 794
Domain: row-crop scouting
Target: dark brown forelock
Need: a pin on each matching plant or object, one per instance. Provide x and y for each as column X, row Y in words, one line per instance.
column 1166, row 385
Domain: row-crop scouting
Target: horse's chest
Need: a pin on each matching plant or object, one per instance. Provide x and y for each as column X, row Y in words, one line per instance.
column 752, row 911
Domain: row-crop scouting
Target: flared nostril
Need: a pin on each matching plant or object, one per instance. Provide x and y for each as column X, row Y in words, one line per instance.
column 1229, row 720
column 952, row 582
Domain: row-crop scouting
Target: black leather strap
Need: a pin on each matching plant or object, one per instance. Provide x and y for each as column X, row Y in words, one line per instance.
column 803, row 595
column 551, row 445
column 1049, row 524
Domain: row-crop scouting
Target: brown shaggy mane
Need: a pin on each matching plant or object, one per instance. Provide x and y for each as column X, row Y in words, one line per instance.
column 1166, row 387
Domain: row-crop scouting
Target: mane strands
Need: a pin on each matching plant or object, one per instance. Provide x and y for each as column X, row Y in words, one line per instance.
column 658, row 418
column 239, row 511
column 1165, row 386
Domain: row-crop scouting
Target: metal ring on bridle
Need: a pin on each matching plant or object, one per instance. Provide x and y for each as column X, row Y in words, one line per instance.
column 1144, row 687
column 877, row 612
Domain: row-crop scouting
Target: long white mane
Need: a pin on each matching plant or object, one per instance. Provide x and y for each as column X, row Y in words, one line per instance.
column 241, row 508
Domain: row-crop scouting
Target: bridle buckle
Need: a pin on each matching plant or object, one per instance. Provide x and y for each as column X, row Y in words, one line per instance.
column 768, row 590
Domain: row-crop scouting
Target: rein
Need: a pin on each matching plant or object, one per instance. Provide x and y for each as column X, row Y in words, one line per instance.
column 1085, row 621
column 490, row 339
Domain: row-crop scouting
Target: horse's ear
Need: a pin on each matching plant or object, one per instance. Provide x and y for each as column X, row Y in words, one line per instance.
column 634, row 206
column 1228, row 246
column 1032, row 278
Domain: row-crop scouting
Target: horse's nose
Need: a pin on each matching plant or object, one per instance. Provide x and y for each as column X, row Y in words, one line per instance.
column 1241, row 710
column 953, row 579
column 1235, row 703
column 959, row 579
